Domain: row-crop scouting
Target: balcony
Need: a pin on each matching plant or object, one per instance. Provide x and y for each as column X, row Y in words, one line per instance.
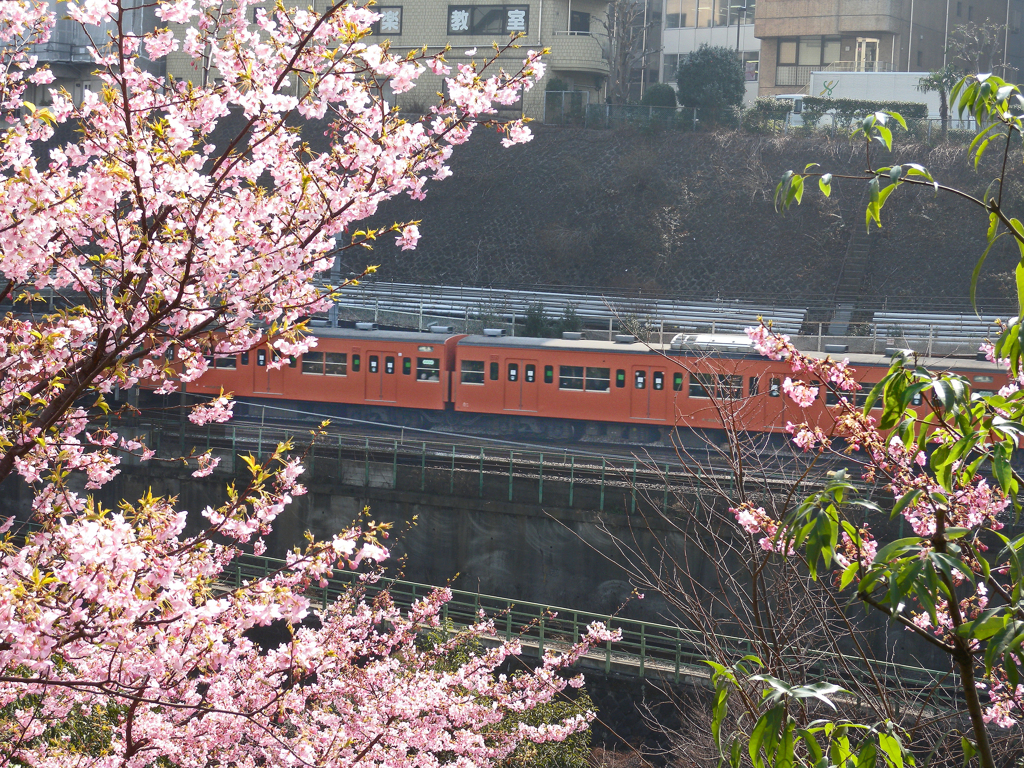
column 577, row 52
column 799, row 75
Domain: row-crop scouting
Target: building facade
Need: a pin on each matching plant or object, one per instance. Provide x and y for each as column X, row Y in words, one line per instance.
column 802, row 36
column 689, row 24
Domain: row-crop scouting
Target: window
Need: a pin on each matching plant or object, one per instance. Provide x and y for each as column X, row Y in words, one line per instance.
column 720, row 384
column 959, row 10
column 677, row 12
column 531, row 373
column 313, row 362
column 919, row 57
column 549, row 374
column 355, row 363
column 774, row 387
column 659, row 380
column 753, row 386
column 494, row 371
column 859, row 399
column 488, row 19
column 513, row 371
column 336, row 364
column 570, row 377
column 406, row 366
column 787, row 51
column 389, row 365
column 620, row 379
column 292, row 362
column 580, row 22
column 472, row 371
column 374, row 364
column 219, row 362
column 677, row 382
column 598, row 379
column 428, row 369
column 671, row 66
column 261, row 357
column 640, row 379
column 390, row 22
column 970, row 12
column 245, row 358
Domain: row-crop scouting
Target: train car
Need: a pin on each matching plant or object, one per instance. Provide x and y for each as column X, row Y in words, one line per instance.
column 557, row 389
column 694, row 381
column 360, row 373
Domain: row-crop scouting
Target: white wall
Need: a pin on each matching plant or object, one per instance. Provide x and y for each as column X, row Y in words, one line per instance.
column 876, row 86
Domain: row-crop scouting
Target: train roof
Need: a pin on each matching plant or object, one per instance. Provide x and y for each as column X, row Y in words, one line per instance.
column 718, row 345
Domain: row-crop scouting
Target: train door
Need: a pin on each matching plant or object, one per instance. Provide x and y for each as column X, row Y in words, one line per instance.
column 639, row 394
column 381, row 379
column 265, row 380
column 657, row 396
column 520, row 385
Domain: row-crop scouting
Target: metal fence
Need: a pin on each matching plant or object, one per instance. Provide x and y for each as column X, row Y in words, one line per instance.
column 646, row 649
column 552, row 477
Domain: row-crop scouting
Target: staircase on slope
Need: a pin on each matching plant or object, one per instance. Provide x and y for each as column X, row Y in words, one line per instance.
column 850, row 284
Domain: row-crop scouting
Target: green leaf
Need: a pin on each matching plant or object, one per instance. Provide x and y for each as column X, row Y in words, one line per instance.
column 892, row 748
column 898, row 118
column 896, row 548
column 977, row 269
column 903, row 502
column 969, row 750
column 825, row 184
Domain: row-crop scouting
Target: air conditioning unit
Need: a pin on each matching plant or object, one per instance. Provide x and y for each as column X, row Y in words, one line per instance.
column 625, row 338
column 494, row 331
column 366, row 326
column 442, row 329
column 837, row 349
column 572, row 335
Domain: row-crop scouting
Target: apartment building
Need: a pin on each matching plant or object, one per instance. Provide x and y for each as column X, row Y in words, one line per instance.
column 67, row 52
column 570, row 28
column 689, row 24
column 801, row 36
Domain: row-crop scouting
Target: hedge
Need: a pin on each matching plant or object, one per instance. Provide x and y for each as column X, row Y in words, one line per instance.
column 847, row 110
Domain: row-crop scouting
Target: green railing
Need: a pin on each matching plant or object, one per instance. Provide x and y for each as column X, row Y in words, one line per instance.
column 646, row 649
column 553, row 477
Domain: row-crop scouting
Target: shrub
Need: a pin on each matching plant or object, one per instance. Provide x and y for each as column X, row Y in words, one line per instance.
column 659, row 95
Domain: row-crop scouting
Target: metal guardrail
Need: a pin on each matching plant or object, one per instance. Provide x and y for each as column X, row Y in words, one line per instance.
column 569, row 478
column 646, row 649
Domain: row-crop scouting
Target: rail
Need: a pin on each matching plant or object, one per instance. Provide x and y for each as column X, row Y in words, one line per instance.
column 646, row 649
column 556, row 477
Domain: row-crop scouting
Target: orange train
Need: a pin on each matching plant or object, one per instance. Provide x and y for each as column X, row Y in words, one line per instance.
column 545, row 388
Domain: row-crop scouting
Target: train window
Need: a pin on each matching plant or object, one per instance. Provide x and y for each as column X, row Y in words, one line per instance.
column 225, row 362
column 983, row 379
column 245, row 358
column 494, row 371
column 598, row 379
column 859, row 399
column 677, row 382
column 916, row 399
column 659, row 380
column 313, row 362
column 530, row 372
column 640, row 379
column 406, row 366
column 570, row 377
column 472, row 371
column 374, row 363
column 389, row 364
column 261, row 357
column 774, row 387
column 513, row 371
column 719, row 384
column 428, row 369
column 817, row 385
column 701, row 384
column 292, row 362
column 731, row 387
column 620, row 378
column 549, row 374
column 356, row 359
column 753, row 385
column 336, row 364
